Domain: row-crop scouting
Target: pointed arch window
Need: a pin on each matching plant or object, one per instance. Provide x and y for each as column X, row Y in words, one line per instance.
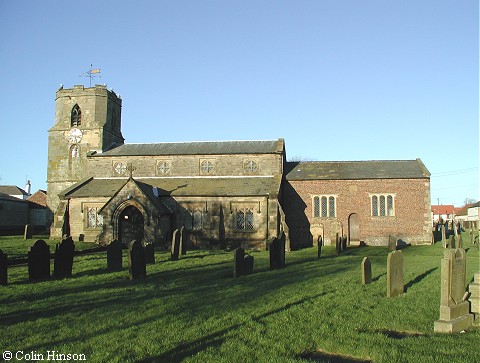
column 76, row 116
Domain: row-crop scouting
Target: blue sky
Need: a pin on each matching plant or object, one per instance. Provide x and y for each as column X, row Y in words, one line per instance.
column 338, row 79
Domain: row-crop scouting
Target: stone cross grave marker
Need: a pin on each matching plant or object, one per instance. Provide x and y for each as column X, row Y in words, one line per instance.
column 136, row 260
column 114, row 256
column 149, row 253
column 175, row 251
column 63, row 258
column 454, row 311
column 3, row 268
column 395, row 284
column 366, row 271
column 39, row 261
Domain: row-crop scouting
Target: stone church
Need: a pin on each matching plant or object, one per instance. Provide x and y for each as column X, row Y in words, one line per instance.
column 225, row 193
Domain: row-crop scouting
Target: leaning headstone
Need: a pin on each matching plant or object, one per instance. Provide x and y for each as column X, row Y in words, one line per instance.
column 63, row 258
column 238, row 262
column 39, row 261
column 3, row 268
column 320, row 244
column 149, row 253
column 136, row 260
column 248, row 265
column 395, row 284
column 114, row 256
column 27, row 232
column 366, row 271
column 392, row 242
column 454, row 311
column 474, row 289
column 175, row 251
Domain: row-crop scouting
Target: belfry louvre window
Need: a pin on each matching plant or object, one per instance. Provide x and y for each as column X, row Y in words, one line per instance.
column 76, row 116
column 383, row 205
column 324, row 206
column 244, row 220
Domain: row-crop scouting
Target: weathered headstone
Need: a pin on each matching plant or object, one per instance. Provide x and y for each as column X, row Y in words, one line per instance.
column 344, row 243
column 338, row 246
column 248, row 265
column 238, row 262
column 474, row 289
column 459, row 241
column 149, row 253
column 63, row 258
column 3, row 268
column 136, row 260
column 392, row 242
column 320, row 244
column 184, row 238
column 454, row 311
column 39, row 261
column 27, row 232
column 175, row 251
column 395, row 284
column 114, row 256
column 277, row 252
column 451, row 242
column 366, row 271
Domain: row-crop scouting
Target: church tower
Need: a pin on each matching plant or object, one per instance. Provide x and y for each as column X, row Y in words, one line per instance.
column 87, row 120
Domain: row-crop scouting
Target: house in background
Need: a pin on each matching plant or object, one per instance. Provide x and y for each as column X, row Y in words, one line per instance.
column 14, row 191
column 468, row 215
column 446, row 212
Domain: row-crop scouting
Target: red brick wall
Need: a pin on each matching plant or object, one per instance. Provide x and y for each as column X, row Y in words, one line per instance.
column 411, row 222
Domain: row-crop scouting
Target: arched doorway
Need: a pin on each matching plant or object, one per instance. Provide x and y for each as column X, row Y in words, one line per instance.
column 354, row 229
column 130, row 225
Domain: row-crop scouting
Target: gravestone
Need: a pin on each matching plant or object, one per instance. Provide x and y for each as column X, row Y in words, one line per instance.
column 136, row 260
column 474, row 289
column 39, row 261
column 149, row 253
column 459, row 241
column 392, row 242
column 114, row 256
column 454, row 311
column 175, row 251
column 238, row 262
column 395, row 284
column 338, row 246
column 320, row 244
column 344, row 243
column 366, row 271
column 27, row 232
column 184, row 238
column 248, row 265
column 444, row 236
column 63, row 258
column 451, row 242
column 277, row 252
column 3, row 268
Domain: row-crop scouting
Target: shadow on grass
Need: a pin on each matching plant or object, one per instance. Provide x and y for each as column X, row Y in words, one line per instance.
column 419, row 278
column 323, row 356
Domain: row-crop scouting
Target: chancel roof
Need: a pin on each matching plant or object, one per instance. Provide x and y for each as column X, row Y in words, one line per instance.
column 198, row 148
column 200, row 186
column 351, row 170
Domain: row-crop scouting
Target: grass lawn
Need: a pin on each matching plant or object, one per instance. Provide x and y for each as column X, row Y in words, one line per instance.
column 192, row 310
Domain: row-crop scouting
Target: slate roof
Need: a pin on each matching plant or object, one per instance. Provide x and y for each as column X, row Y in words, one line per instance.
column 12, row 190
column 197, row 148
column 354, row 170
column 220, row 186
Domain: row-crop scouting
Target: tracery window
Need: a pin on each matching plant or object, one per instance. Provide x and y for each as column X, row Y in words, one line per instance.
column 250, row 167
column 207, row 167
column 76, row 116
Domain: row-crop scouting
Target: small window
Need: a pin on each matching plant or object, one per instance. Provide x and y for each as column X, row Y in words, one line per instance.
column 207, row 167
column 119, row 168
column 375, row 206
column 94, row 220
column 74, row 151
column 316, row 207
column 76, row 116
column 164, row 167
column 250, row 167
column 245, row 220
column 324, row 206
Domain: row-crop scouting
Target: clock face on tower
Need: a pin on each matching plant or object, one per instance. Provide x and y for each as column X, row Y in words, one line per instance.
column 74, row 136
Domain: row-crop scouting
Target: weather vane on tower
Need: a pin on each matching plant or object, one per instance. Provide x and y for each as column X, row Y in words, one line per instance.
column 92, row 73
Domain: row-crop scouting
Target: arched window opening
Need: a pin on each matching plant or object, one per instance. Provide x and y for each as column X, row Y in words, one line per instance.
column 76, row 116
